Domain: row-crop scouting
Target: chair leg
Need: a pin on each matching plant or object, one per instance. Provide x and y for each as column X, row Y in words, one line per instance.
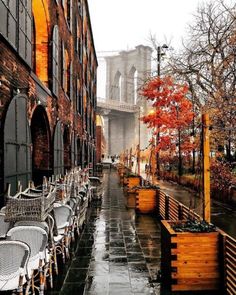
column 50, row 273
column 20, row 287
column 41, row 278
column 54, row 251
column 63, row 250
column 32, row 283
column 27, row 286
column 66, row 235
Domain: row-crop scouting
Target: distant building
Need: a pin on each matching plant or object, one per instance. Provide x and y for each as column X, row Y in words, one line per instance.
column 47, row 89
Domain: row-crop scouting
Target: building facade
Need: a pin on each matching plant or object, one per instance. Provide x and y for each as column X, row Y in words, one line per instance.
column 47, row 89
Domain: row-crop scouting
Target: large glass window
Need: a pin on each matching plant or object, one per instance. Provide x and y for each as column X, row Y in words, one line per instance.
column 55, row 60
column 16, row 24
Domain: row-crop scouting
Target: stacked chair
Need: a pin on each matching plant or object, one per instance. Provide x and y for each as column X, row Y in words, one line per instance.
column 39, row 224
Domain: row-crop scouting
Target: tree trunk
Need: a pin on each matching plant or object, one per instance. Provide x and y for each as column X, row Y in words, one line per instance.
column 180, row 168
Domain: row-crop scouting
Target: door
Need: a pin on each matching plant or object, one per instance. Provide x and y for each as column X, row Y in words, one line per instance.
column 17, row 144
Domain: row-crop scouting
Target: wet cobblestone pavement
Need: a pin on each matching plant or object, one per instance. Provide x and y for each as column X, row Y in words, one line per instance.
column 118, row 252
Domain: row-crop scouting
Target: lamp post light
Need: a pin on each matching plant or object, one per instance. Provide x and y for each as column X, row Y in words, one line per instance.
column 160, row 53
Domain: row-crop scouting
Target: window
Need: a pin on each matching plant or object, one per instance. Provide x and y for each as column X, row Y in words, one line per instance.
column 69, row 87
column 69, row 13
column 79, row 97
column 55, row 60
column 16, row 24
column 67, row 72
column 80, row 7
column 63, row 66
column 67, row 6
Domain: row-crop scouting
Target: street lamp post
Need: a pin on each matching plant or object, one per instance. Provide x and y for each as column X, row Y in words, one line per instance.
column 159, row 54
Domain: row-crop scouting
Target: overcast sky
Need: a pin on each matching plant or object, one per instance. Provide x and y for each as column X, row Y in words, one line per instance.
column 123, row 24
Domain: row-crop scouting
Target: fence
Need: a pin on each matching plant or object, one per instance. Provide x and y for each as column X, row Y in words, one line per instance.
column 170, row 209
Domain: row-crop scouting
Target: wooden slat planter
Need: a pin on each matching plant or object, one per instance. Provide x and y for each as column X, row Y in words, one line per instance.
column 131, row 199
column 132, row 181
column 190, row 261
column 146, row 200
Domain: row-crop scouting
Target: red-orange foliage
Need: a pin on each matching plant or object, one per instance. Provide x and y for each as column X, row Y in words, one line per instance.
column 172, row 113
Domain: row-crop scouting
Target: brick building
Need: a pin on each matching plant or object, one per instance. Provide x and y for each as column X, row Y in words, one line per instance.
column 47, row 89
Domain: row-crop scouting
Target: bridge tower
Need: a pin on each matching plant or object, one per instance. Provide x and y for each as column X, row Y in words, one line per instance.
column 123, row 106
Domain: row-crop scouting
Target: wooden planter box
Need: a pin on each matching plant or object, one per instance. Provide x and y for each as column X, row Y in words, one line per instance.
column 189, row 261
column 131, row 199
column 132, row 181
column 146, row 200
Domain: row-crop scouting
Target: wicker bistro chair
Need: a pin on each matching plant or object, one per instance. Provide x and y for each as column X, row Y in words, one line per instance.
column 83, row 207
column 63, row 215
column 3, row 209
column 37, row 239
column 48, row 227
column 74, row 205
column 96, row 187
column 4, row 226
column 29, row 206
column 14, row 256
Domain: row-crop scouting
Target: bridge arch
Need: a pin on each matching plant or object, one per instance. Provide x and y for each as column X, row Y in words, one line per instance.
column 132, row 85
column 123, row 105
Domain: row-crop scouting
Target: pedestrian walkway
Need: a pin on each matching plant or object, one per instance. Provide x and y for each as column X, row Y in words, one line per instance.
column 118, row 252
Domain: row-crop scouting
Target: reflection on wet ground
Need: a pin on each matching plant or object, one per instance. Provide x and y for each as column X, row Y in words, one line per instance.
column 118, row 252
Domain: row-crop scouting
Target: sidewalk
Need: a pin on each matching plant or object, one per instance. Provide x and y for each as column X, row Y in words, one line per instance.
column 119, row 251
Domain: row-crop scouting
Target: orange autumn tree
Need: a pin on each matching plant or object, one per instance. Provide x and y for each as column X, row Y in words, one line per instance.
column 171, row 118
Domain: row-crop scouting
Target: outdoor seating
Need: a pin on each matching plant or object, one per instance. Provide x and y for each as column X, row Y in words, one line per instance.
column 63, row 219
column 96, row 187
column 14, row 256
column 3, row 209
column 19, row 208
column 37, row 239
column 46, row 218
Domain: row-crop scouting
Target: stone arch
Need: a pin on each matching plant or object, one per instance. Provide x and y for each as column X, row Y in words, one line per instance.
column 132, row 86
column 126, row 63
column 41, row 139
column 41, row 38
column 17, row 144
column 116, row 87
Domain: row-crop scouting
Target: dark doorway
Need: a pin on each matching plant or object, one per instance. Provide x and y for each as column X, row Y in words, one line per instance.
column 41, row 145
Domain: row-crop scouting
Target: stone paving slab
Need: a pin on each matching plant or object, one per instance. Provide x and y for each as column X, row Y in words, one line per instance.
column 118, row 252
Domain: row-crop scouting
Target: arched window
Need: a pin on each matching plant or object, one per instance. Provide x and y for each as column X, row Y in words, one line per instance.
column 41, row 40
column 55, row 60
